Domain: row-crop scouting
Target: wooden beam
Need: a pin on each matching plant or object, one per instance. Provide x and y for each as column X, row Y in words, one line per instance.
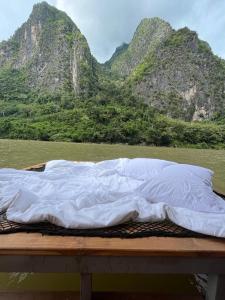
column 85, row 286
column 99, row 264
column 216, row 287
column 37, row 244
column 34, row 295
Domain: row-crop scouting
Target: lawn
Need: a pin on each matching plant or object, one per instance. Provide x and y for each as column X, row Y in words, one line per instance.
column 19, row 154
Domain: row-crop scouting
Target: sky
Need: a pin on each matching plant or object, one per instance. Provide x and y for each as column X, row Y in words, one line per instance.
column 108, row 23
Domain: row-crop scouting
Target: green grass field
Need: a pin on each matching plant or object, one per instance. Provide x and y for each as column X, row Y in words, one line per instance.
column 20, row 154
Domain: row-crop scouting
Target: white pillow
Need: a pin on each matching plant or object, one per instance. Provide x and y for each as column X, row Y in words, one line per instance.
column 115, row 164
column 202, row 173
column 183, row 186
column 144, row 168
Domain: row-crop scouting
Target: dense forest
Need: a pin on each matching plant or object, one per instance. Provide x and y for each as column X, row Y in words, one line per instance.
column 111, row 116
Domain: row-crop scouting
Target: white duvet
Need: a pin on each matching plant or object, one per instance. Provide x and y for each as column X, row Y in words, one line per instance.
column 92, row 195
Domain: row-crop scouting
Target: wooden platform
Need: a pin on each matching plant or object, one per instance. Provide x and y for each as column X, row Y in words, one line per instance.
column 32, row 252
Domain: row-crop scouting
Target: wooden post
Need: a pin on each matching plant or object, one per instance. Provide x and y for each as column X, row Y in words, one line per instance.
column 85, row 286
column 216, row 287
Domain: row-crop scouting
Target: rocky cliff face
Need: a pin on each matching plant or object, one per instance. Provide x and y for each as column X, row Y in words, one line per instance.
column 172, row 70
column 182, row 78
column 51, row 53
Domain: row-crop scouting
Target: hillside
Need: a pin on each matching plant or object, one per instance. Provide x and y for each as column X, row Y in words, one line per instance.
column 173, row 71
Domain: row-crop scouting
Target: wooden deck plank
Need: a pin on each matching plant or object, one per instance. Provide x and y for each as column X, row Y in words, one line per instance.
column 36, row 244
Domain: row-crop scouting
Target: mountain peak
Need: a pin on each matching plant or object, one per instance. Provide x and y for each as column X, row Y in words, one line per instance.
column 42, row 7
column 43, row 12
column 149, row 26
column 187, row 38
column 153, row 21
column 149, row 35
column 43, row 4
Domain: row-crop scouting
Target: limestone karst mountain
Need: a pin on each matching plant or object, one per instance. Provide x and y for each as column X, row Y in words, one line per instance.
column 48, row 53
column 172, row 71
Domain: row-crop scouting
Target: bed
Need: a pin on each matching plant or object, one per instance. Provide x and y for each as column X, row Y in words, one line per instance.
column 34, row 252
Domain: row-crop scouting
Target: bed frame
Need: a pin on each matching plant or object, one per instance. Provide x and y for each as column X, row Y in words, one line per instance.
column 32, row 252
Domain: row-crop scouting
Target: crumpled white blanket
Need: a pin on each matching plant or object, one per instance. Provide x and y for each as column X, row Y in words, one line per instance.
column 93, row 195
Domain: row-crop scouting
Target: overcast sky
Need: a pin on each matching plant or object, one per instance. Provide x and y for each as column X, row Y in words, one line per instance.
column 108, row 23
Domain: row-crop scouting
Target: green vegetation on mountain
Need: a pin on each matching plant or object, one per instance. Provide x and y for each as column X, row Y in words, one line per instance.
column 13, row 84
column 52, row 88
column 182, row 78
column 148, row 37
column 100, row 119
